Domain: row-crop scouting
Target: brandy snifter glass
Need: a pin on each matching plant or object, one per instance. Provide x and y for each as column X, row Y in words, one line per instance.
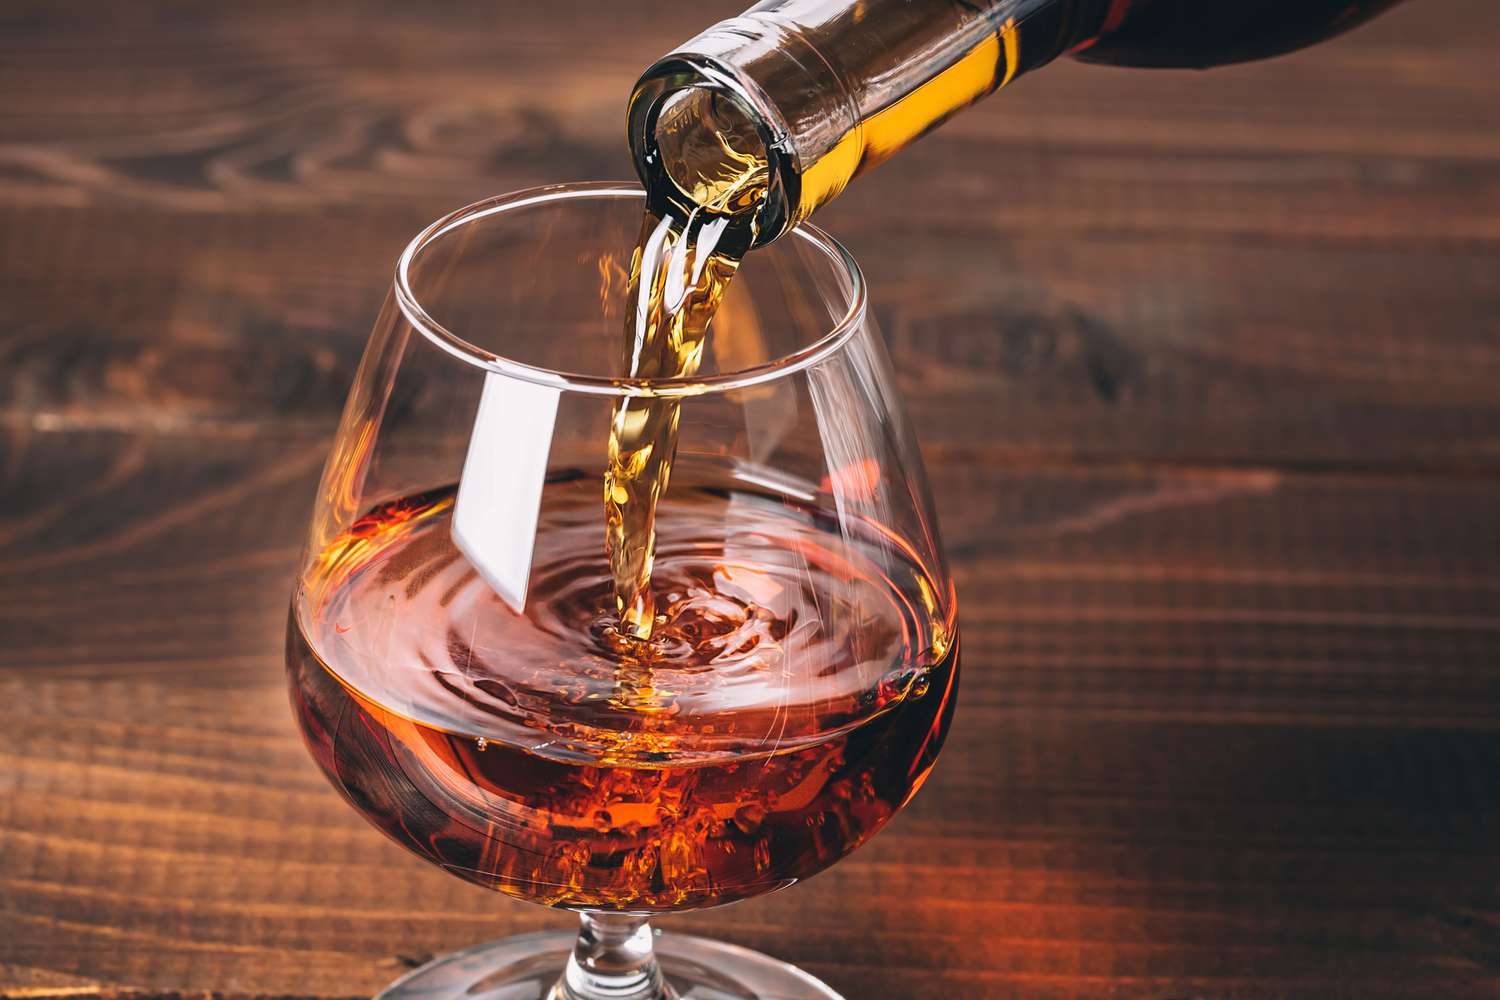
column 452, row 651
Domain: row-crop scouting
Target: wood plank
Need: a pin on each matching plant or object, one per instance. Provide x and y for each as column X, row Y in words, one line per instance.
column 1044, row 346
column 1221, row 732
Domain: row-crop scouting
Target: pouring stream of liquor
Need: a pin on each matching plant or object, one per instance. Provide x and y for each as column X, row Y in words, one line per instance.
column 676, row 283
column 679, row 275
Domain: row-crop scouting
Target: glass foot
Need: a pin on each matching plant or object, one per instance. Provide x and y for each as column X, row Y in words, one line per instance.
column 527, row 967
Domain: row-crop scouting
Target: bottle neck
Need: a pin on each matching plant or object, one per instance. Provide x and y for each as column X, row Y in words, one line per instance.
column 831, row 88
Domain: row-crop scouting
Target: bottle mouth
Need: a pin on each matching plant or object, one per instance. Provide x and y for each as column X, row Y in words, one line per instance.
column 705, row 139
column 710, row 147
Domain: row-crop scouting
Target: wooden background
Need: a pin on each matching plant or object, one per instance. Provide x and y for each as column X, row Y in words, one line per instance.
column 1208, row 373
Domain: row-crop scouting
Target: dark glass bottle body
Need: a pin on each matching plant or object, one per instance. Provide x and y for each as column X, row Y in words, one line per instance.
column 834, row 87
column 1203, row 33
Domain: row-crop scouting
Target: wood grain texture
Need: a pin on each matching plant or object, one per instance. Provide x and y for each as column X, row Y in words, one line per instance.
column 1205, row 367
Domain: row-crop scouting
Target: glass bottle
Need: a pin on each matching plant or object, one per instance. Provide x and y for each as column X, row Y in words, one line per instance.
column 819, row 91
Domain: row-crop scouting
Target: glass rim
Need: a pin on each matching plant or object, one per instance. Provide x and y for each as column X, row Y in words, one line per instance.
column 804, row 357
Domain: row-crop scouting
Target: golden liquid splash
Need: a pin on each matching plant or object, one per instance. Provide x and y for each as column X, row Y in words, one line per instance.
column 679, row 274
column 676, row 283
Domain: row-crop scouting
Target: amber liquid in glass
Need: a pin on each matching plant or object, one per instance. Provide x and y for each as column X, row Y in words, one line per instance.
column 786, row 725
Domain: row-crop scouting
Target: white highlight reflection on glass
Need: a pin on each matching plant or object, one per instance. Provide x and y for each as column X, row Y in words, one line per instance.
column 500, row 493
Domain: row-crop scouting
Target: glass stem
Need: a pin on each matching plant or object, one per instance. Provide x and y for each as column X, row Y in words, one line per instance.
column 613, row 960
